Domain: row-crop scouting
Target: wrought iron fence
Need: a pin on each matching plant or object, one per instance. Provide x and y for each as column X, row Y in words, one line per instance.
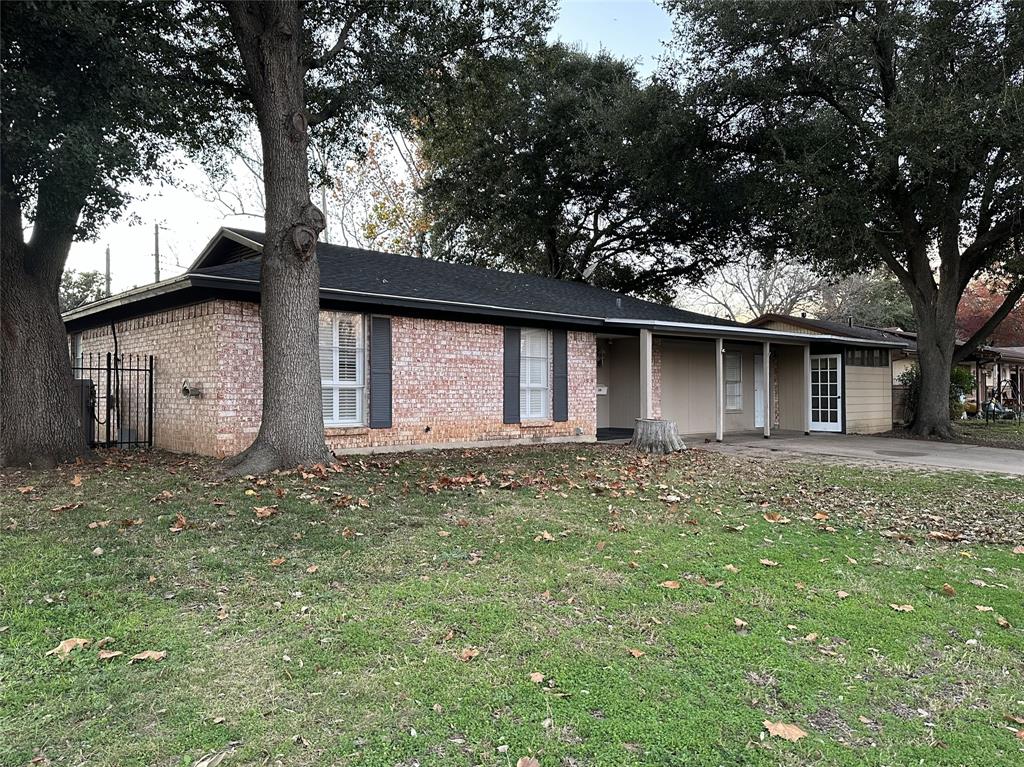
column 115, row 399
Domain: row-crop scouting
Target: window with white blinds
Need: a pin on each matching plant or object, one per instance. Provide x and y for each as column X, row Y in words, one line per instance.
column 733, row 381
column 534, row 391
column 342, row 369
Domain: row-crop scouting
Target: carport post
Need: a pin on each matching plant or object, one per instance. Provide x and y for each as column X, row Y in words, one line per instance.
column 766, row 394
column 807, row 389
column 719, row 390
column 646, row 381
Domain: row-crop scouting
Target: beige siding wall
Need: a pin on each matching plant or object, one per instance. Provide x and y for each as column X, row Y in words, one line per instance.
column 789, row 387
column 788, row 328
column 688, row 386
column 868, row 399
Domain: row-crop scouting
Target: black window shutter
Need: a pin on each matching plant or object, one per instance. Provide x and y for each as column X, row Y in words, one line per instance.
column 560, row 376
column 510, row 410
column 380, row 372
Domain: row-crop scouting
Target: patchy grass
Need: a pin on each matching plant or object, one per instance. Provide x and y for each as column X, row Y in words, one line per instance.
column 332, row 628
column 991, row 434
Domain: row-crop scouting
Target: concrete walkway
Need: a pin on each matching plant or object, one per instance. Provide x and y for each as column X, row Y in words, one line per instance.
column 865, row 449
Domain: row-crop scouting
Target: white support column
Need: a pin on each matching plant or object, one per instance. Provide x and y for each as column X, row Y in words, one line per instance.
column 646, row 375
column 719, row 389
column 766, row 358
column 807, row 389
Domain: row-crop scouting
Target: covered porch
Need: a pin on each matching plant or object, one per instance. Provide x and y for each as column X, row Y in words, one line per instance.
column 715, row 385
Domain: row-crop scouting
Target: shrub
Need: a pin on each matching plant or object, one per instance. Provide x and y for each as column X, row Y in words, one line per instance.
column 961, row 383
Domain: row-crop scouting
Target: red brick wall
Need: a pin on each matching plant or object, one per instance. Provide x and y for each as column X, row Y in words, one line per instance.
column 446, row 377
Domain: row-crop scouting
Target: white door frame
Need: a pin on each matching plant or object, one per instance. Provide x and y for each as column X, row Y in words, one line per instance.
column 822, row 403
column 758, row 391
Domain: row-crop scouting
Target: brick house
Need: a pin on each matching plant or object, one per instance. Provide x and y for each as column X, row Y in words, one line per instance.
column 415, row 352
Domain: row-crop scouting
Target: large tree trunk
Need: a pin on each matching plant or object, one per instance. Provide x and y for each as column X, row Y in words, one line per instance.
column 269, row 38
column 936, row 341
column 38, row 422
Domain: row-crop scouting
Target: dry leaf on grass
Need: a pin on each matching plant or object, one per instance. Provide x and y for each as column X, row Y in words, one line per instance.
column 109, row 654
column 77, row 480
column 65, row 647
column 180, row 523
column 768, row 562
column 264, row 512
column 26, row 489
column 948, row 590
column 277, row 561
column 443, row 533
column 820, row 516
column 1003, row 623
column 776, row 518
column 983, row 608
column 162, row 497
column 732, row 568
column 635, row 653
column 740, row 624
column 842, row 594
column 669, row 584
column 153, row 655
column 536, row 677
column 527, row 761
column 212, row 760
column 544, row 535
column 468, row 653
column 1018, row 549
column 789, row 732
column 903, row 608
column 312, row 569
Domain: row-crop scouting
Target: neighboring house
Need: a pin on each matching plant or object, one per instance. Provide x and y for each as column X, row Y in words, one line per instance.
column 415, row 352
column 993, row 368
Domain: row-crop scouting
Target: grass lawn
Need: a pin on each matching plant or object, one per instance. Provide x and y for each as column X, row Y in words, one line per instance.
column 392, row 612
column 993, row 434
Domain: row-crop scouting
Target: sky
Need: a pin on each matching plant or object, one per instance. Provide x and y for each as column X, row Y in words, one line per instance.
column 632, row 29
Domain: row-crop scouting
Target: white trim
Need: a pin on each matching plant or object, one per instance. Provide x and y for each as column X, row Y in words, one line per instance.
column 157, row 288
column 232, row 235
column 739, row 356
column 753, row 333
column 719, row 390
column 830, row 426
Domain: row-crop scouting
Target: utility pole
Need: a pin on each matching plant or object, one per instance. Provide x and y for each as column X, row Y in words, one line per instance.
column 108, row 271
column 156, row 252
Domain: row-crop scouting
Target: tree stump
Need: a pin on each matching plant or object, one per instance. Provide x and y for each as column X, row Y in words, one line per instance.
column 654, row 435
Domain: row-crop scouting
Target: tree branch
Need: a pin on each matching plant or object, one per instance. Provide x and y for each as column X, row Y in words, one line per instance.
column 1000, row 314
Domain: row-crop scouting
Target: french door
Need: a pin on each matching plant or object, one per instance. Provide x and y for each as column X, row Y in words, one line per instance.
column 826, row 393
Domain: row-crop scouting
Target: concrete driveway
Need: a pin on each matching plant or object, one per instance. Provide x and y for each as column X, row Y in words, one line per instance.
column 864, row 449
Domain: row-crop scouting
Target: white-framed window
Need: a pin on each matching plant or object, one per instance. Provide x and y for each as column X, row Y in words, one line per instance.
column 342, row 368
column 534, row 363
column 734, row 381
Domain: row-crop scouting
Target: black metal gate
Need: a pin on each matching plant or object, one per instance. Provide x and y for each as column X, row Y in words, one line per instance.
column 115, row 399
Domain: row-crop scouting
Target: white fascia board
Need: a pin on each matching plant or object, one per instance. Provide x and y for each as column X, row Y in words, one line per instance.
column 730, row 331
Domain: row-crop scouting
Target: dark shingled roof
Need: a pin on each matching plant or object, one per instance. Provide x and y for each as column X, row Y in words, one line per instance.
column 387, row 274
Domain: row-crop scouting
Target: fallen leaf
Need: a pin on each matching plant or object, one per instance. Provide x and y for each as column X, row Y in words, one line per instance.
column 775, row 518
column 536, row 677
column 64, row 648
column 1018, row 549
column 468, row 653
column 443, row 533
column 820, row 516
column 99, row 523
column 312, row 569
column 948, row 590
column 162, row 497
column 66, row 507
column 277, row 562
column 153, row 655
column 108, row 654
column 97, row 552
column 77, row 480
column 789, row 732
column 842, row 594
column 732, row 568
column 768, row 562
column 740, row 624
column 544, row 535
column 103, row 642
column 983, row 608
column 636, row 653
column 25, row 490
column 213, row 760
column 180, row 523
column 669, row 584
column 527, row 761
column 1003, row 623
column 264, row 512
column 600, row 545
column 903, row 608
